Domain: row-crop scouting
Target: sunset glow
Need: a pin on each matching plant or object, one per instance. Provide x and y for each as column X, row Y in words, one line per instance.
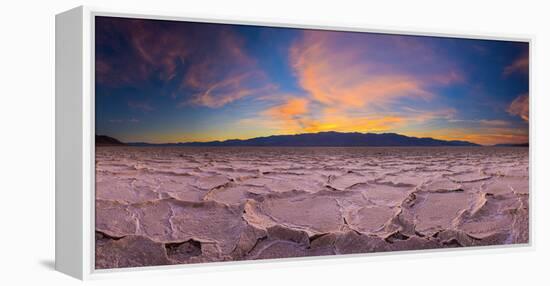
column 166, row 81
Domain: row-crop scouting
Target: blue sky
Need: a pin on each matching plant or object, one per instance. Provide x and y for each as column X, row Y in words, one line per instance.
column 166, row 81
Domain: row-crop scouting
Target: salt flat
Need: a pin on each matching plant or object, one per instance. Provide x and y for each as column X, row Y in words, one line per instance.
column 173, row 205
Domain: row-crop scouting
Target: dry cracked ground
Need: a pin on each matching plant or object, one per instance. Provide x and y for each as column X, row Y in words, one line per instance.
column 161, row 205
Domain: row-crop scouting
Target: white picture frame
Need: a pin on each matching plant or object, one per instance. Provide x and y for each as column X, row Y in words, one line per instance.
column 75, row 154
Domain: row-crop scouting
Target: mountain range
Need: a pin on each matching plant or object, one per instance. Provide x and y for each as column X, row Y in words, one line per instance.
column 321, row 139
column 103, row 140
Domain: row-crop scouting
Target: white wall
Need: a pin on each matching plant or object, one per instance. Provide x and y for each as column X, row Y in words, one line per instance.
column 27, row 140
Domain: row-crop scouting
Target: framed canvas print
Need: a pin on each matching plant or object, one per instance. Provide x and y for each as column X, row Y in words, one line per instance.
column 198, row 141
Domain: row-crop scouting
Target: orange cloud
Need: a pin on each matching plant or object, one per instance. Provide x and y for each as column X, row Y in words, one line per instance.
column 488, row 138
column 341, row 123
column 520, row 65
column 479, row 135
column 294, row 116
column 293, row 107
column 289, row 116
column 338, row 77
column 520, row 107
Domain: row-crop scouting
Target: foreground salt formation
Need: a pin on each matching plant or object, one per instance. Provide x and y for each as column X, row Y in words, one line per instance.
column 158, row 206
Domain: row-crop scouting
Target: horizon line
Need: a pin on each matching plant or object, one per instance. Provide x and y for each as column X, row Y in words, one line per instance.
column 296, row 134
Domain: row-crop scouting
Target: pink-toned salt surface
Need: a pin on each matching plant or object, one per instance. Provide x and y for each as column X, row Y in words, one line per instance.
column 161, row 205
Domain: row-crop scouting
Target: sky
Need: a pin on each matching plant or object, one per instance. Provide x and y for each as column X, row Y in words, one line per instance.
column 171, row 81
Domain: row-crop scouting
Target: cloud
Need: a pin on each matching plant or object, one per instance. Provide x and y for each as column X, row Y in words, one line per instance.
column 160, row 50
column 218, row 94
column 230, row 76
column 197, row 63
column 295, row 115
column 484, row 131
column 335, row 73
column 520, row 65
column 520, row 106
column 484, row 135
column 351, row 86
column 142, row 106
column 494, row 123
column 291, row 115
column 423, row 115
column 343, row 123
column 130, row 120
column 451, row 77
column 130, row 51
column 291, row 108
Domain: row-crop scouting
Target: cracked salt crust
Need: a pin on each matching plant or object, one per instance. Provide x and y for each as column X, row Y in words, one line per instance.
column 158, row 206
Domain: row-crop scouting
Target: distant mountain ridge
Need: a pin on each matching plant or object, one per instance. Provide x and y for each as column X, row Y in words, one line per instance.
column 512, row 145
column 103, row 140
column 324, row 139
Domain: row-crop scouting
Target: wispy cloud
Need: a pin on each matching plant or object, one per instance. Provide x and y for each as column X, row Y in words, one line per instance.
column 130, row 120
column 485, row 135
column 291, row 108
column 520, row 65
column 131, row 51
column 520, row 106
column 336, row 121
column 218, row 94
column 231, row 76
column 140, row 105
column 423, row 115
column 347, row 89
column 494, row 123
column 201, row 64
column 336, row 74
column 296, row 115
column 291, row 115
column 298, row 81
